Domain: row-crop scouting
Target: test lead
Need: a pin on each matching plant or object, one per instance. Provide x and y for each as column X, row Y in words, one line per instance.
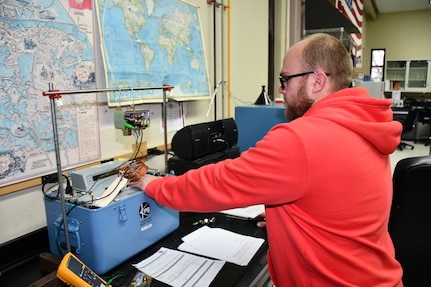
column 129, row 126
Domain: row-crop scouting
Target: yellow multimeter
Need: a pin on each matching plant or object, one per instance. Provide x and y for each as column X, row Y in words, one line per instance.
column 73, row 272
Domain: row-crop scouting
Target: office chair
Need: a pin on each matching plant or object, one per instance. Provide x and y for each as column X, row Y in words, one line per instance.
column 410, row 219
column 408, row 125
column 424, row 116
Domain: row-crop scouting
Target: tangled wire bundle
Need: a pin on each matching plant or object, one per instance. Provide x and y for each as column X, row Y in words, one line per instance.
column 133, row 170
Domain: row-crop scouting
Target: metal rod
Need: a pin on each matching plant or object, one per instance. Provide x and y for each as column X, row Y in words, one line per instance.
column 165, row 130
column 215, row 58
column 228, row 60
column 59, row 174
column 51, row 92
column 222, row 58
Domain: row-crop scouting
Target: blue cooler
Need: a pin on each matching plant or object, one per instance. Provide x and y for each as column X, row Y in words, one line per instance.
column 105, row 237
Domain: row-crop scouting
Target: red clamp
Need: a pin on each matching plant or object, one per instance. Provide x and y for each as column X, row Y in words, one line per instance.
column 211, row 2
column 166, row 89
column 52, row 96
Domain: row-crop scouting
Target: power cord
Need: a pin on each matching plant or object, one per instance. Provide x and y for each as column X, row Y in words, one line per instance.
column 53, row 179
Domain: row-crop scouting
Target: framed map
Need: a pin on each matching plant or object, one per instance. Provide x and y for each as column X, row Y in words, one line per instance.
column 41, row 43
column 149, row 43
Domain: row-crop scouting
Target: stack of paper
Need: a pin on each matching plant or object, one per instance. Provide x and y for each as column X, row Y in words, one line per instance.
column 246, row 212
column 222, row 244
column 182, row 269
column 177, row 268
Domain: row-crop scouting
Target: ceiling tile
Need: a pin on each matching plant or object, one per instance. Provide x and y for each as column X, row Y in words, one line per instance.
column 391, row 6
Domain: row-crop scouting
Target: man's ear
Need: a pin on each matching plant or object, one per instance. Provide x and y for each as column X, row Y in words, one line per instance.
column 320, row 82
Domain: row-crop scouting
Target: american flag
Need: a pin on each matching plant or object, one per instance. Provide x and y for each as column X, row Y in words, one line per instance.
column 353, row 10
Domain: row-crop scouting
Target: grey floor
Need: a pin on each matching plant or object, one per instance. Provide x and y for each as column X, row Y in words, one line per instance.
column 419, row 150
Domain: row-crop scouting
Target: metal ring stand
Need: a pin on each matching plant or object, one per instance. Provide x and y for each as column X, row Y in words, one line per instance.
column 56, row 94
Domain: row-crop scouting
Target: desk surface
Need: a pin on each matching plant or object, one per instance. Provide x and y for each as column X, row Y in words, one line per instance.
column 230, row 275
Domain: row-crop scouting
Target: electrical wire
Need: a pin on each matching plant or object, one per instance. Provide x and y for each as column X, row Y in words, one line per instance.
column 57, row 239
column 76, row 202
column 54, row 180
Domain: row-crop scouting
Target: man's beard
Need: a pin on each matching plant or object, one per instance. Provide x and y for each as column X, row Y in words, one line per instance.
column 298, row 105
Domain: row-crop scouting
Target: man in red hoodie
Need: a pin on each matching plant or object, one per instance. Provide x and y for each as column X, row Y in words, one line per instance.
column 324, row 177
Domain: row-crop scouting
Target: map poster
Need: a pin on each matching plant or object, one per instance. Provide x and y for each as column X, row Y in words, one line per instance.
column 149, row 43
column 45, row 43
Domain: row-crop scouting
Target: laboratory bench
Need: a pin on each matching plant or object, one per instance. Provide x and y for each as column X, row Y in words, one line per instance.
column 254, row 274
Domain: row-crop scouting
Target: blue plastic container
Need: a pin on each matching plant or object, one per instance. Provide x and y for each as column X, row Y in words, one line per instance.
column 105, row 237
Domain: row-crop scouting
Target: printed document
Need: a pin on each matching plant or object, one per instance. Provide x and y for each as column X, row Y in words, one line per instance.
column 222, row 244
column 177, row 268
column 246, row 212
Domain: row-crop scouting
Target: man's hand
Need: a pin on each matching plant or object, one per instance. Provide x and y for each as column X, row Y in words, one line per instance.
column 262, row 220
column 144, row 181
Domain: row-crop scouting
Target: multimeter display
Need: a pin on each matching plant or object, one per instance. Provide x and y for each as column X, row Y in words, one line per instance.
column 72, row 271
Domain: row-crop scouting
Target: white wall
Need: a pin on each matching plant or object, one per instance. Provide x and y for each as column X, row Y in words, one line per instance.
column 23, row 211
column 405, row 35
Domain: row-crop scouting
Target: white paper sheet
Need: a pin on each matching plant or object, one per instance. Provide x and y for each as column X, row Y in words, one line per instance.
column 175, row 116
column 222, row 244
column 177, row 268
column 246, row 212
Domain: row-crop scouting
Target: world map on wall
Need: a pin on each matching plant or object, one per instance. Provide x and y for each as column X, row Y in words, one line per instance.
column 150, row 43
column 45, row 43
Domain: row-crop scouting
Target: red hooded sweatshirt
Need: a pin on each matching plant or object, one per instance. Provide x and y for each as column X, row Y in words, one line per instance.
column 325, row 181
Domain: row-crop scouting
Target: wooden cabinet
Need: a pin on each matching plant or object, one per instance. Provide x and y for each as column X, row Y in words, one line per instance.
column 408, row 76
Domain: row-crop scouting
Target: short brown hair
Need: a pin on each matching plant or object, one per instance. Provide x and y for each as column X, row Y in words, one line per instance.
column 328, row 53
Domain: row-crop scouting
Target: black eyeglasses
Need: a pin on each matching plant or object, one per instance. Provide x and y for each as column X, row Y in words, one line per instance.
column 284, row 79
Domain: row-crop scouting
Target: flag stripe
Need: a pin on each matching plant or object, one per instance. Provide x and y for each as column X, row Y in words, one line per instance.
column 353, row 10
